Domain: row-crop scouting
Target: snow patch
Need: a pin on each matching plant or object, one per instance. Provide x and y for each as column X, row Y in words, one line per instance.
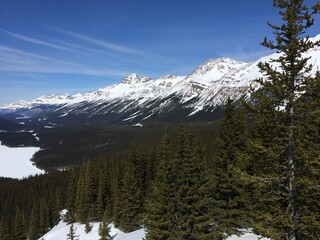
column 61, row 230
column 147, row 116
column 137, row 125
column 24, row 117
column 63, row 115
column 132, row 117
column 15, row 162
column 36, row 137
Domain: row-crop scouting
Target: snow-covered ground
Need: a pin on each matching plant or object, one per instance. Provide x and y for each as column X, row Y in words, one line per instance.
column 15, row 162
column 60, row 232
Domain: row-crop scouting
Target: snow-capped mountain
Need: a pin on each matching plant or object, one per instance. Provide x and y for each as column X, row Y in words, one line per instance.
column 136, row 99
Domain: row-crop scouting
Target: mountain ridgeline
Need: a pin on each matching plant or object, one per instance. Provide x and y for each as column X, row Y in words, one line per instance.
column 140, row 99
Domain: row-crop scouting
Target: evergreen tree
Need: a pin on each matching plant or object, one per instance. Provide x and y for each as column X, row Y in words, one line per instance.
column 20, row 232
column 104, row 229
column 195, row 202
column 117, row 199
column 71, row 198
column 103, row 201
column 34, row 226
column 180, row 203
column 283, row 163
column 43, row 216
column 129, row 215
column 91, row 193
column 88, row 226
column 72, row 233
column 87, row 192
column 307, row 154
column 53, row 213
column 4, row 230
column 230, row 161
column 81, row 205
column 160, row 207
column 57, row 206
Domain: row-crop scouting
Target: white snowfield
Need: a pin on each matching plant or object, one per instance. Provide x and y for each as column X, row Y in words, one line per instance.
column 15, row 162
column 60, row 231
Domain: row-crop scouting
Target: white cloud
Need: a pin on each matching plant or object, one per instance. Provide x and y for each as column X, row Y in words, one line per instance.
column 102, row 43
column 17, row 61
column 35, row 41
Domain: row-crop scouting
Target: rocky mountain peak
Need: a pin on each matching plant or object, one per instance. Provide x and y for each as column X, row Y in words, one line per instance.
column 219, row 64
column 134, row 78
column 168, row 77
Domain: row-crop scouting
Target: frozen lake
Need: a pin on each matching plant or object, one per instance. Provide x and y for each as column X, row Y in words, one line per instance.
column 15, row 162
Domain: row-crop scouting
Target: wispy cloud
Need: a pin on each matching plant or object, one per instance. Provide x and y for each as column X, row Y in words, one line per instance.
column 35, row 41
column 93, row 52
column 76, row 54
column 102, row 43
column 18, row 61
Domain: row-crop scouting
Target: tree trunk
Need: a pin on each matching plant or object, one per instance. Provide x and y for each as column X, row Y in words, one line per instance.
column 291, row 191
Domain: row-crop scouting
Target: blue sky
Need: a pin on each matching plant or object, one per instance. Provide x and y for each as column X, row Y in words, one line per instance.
column 70, row 46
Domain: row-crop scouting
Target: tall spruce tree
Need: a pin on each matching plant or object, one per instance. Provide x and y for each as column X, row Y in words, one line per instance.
column 91, row 187
column 20, row 232
column 102, row 195
column 103, row 204
column 195, row 202
column 283, row 166
column 81, row 205
column 43, row 215
column 34, row 225
column 129, row 214
column 71, row 198
column 104, row 229
column 307, row 156
column 160, row 217
column 230, row 161
column 4, row 230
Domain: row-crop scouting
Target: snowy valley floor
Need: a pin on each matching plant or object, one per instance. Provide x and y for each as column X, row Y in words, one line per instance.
column 60, row 232
column 15, row 162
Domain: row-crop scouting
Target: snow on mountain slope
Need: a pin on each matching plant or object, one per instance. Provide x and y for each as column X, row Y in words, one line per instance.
column 61, row 230
column 141, row 97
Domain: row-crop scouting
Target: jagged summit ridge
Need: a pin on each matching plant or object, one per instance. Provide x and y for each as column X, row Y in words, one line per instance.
column 134, row 78
column 222, row 65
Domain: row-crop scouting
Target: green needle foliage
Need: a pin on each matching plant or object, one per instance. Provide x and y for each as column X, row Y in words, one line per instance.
column 104, row 229
column 20, row 232
column 180, row 203
column 4, row 230
column 160, row 206
column 284, row 149
column 230, row 162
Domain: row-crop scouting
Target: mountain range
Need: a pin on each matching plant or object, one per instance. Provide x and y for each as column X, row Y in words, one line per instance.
column 137, row 99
